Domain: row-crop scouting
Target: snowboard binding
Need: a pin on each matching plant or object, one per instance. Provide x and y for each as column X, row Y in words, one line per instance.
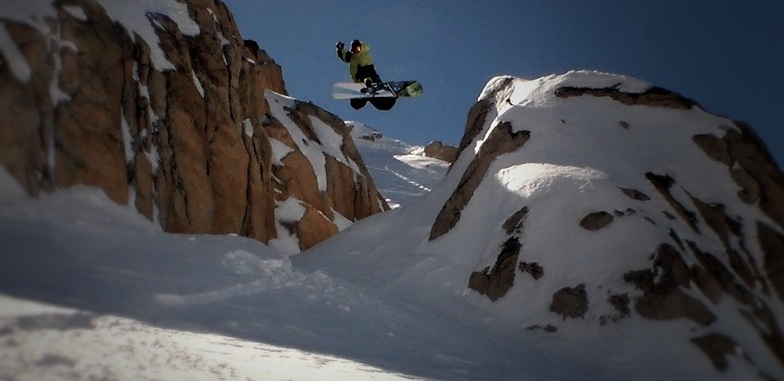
column 373, row 88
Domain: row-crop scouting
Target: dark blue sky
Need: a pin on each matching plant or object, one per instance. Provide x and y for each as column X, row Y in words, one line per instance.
column 726, row 55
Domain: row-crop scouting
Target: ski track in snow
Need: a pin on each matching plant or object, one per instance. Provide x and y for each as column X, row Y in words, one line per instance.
column 406, row 179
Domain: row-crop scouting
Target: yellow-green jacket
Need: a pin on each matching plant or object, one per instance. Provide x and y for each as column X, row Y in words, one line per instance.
column 363, row 58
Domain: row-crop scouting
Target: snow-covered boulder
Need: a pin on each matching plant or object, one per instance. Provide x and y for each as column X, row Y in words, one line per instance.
column 637, row 204
column 588, row 204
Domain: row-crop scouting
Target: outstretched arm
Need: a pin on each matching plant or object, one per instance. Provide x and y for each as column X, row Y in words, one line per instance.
column 344, row 56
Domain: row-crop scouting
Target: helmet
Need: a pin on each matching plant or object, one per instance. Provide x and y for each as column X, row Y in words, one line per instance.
column 355, row 43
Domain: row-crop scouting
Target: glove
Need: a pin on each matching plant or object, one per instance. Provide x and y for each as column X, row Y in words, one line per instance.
column 340, row 45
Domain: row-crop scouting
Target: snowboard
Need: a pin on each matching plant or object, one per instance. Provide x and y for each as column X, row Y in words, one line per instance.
column 392, row 89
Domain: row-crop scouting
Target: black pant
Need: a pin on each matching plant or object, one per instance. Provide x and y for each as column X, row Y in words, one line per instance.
column 368, row 71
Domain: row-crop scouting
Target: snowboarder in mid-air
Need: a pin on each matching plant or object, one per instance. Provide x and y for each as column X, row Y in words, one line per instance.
column 367, row 86
column 360, row 62
column 362, row 71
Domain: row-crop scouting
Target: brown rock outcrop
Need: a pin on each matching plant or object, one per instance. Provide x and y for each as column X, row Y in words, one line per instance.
column 351, row 194
column 717, row 347
column 596, row 220
column 664, row 297
column 496, row 282
column 441, row 151
column 185, row 142
column 570, row 302
column 634, row 194
column 751, row 167
column 655, row 96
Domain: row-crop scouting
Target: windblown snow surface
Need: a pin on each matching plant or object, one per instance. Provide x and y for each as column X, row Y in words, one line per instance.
column 135, row 303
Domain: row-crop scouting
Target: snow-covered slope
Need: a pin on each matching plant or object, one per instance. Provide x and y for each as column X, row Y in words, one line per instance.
column 194, row 307
column 401, row 172
column 53, row 343
column 200, row 307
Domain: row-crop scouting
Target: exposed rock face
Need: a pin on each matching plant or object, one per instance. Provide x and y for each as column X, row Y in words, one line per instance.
column 718, row 347
column 478, row 114
column 634, row 194
column 173, row 125
column 441, row 151
column 570, row 302
column 533, row 269
column 327, row 181
column 502, row 140
column 708, row 239
column 663, row 297
column 654, row 96
column 497, row 281
column 596, row 220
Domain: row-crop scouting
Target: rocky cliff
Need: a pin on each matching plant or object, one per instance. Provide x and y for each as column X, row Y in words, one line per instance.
column 163, row 106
